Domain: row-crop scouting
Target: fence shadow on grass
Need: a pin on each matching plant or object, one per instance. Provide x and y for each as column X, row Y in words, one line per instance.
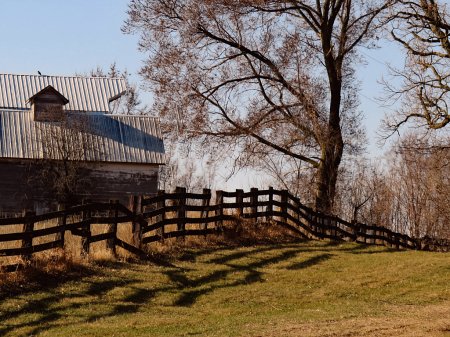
column 310, row 262
column 111, row 292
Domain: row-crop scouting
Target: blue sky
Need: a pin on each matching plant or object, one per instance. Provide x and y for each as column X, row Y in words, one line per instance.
column 66, row 36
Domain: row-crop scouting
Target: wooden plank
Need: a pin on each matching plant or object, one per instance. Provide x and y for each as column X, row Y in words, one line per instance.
column 284, row 205
column 176, row 234
column 112, row 227
column 161, row 206
column 181, row 213
column 192, row 208
column 239, row 203
column 42, row 232
column 109, row 219
column 219, row 211
column 54, row 215
column 269, row 205
column 130, row 248
column 32, row 249
column 205, row 213
column 101, row 237
column 61, row 223
column 136, row 228
column 253, row 202
column 85, row 230
column 292, row 228
column 28, row 227
column 175, row 221
column 154, row 213
column 174, row 196
column 130, row 215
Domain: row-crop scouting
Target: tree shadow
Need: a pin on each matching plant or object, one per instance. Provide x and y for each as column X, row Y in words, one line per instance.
column 38, row 279
column 190, row 297
column 310, row 262
column 232, row 269
column 101, row 288
column 41, row 307
column 361, row 248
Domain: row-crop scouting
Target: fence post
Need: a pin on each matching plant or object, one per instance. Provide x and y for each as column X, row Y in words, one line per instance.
column 297, row 214
column 86, row 230
column 219, row 211
column 239, row 202
column 354, row 231
column 269, row 207
column 404, row 242
column 386, row 236
column 28, row 227
column 397, row 240
column 327, row 225
column 205, row 214
column 321, row 229
column 181, row 213
column 374, row 233
column 253, row 203
column 310, row 223
column 284, row 201
column 136, row 230
column 112, row 227
column 333, row 226
column 161, row 205
column 61, row 222
column 378, row 233
column 363, row 231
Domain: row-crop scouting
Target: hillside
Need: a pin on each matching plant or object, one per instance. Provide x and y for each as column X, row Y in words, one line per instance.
column 308, row 288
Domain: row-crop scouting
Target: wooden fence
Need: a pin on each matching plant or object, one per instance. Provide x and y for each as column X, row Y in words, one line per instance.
column 153, row 219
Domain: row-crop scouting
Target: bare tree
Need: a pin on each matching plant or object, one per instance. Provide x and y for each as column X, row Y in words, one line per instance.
column 66, row 141
column 182, row 169
column 421, row 28
column 129, row 103
column 357, row 187
column 260, row 78
column 406, row 190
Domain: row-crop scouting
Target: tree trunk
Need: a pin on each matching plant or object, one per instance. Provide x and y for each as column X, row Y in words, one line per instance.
column 325, row 188
column 327, row 174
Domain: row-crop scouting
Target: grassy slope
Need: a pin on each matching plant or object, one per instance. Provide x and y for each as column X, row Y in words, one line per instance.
column 302, row 289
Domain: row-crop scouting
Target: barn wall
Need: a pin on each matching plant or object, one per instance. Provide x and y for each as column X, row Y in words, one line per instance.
column 120, row 181
column 15, row 196
column 105, row 181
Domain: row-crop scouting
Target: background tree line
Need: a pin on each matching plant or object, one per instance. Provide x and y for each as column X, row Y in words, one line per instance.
column 271, row 86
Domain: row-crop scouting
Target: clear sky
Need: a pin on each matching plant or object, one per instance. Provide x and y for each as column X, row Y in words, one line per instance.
column 67, row 36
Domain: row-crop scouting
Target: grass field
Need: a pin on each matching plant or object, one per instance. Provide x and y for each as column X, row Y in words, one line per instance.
column 311, row 288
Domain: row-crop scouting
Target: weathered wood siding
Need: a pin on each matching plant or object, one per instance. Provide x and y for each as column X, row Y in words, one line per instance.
column 121, row 181
column 15, row 195
column 106, row 181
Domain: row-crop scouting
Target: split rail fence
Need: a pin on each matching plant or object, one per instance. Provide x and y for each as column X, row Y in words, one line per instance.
column 181, row 214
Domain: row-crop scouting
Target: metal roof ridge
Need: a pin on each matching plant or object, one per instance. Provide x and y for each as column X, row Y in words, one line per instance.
column 125, row 115
column 76, row 76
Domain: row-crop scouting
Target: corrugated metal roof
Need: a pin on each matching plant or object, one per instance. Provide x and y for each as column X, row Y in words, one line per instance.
column 118, row 138
column 84, row 93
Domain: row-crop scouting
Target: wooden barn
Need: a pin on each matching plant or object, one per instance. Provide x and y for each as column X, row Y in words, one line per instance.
column 48, row 122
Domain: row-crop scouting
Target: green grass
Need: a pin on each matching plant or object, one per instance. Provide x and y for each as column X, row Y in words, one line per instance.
column 277, row 290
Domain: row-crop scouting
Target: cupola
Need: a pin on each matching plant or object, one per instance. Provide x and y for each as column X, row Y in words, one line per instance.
column 46, row 103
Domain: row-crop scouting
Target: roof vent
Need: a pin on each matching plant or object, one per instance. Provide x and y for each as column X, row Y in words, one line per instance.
column 45, row 103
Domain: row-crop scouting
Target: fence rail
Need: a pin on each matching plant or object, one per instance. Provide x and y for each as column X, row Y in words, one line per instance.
column 152, row 216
